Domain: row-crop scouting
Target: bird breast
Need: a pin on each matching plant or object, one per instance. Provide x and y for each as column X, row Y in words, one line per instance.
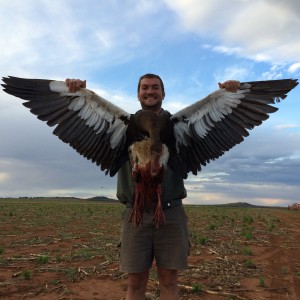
column 143, row 158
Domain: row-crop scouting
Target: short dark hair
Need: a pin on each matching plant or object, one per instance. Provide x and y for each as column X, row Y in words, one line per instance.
column 150, row 75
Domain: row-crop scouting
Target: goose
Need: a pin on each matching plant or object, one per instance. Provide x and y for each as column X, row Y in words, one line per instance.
column 185, row 141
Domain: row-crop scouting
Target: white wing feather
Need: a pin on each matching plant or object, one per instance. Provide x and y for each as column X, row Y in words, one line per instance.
column 215, row 106
column 94, row 109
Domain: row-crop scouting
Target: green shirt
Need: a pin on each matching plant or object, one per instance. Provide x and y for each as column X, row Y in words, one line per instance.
column 172, row 187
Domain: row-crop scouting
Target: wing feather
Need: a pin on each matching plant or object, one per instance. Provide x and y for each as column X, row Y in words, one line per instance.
column 208, row 128
column 93, row 126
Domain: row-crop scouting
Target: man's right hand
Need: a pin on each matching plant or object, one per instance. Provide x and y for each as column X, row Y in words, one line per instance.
column 75, row 84
column 230, row 85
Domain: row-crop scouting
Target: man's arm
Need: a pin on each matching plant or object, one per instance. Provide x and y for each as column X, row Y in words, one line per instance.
column 76, row 84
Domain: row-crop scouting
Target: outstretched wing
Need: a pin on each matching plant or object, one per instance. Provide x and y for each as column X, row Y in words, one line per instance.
column 208, row 128
column 93, row 126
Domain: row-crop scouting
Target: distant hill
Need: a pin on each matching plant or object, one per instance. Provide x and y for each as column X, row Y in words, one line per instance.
column 239, row 204
column 57, row 199
column 245, row 205
column 102, row 199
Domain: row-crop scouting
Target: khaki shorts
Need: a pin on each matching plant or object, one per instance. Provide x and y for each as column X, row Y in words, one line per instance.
column 168, row 244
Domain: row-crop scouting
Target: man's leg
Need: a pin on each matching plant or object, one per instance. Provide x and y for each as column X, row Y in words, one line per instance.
column 137, row 283
column 168, row 284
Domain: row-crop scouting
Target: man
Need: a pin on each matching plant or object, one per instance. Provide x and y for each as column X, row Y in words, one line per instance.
column 169, row 243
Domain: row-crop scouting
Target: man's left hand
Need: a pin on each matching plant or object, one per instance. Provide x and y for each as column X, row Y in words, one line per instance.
column 75, row 84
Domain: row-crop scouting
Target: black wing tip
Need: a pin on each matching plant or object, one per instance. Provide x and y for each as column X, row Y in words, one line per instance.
column 295, row 82
column 14, row 79
column 278, row 88
column 5, row 80
column 9, row 77
column 10, row 81
column 292, row 82
column 20, row 87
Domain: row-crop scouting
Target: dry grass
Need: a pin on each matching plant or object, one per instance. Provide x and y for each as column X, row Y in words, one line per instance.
column 52, row 242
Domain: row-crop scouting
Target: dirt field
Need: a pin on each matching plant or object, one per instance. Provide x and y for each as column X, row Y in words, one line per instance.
column 67, row 250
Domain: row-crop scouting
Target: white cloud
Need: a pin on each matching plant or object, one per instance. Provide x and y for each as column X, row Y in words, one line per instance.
column 227, row 50
column 261, row 30
column 272, row 201
column 294, row 67
column 111, row 43
column 55, row 37
column 286, row 126
column 271, row 75
column 232, row 72
column 4, row 176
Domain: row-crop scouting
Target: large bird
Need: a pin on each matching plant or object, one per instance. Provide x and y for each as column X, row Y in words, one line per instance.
column 109, row 136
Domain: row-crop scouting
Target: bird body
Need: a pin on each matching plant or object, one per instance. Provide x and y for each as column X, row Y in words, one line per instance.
column 147, row 170
column 185, row 142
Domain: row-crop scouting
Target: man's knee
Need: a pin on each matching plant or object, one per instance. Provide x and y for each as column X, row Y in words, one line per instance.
column 137, row 281
column 168, row 278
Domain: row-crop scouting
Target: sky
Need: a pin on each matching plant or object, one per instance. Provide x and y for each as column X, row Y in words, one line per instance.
column 192, row 45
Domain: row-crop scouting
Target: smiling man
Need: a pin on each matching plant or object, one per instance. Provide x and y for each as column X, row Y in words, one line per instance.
column 151, row 92
column 168, row 244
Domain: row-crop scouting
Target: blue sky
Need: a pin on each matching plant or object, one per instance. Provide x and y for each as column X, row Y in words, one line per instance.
column 192, row 46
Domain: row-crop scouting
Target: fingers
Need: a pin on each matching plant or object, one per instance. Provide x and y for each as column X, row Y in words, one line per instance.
column 75, row 84
column 230, row 85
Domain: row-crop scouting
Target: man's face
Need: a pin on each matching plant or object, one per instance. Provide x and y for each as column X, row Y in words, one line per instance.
column 150, row 94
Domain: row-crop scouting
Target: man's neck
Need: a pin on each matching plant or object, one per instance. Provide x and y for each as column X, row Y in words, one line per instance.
column 157, row 110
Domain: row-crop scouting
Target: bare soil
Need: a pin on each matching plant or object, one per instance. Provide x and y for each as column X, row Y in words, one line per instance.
column 69, row 251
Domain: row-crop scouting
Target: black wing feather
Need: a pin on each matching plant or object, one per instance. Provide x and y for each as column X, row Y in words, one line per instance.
column 222, row 120
column 84, row 126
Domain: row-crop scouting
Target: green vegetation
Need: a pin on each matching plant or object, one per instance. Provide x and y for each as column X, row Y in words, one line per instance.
column 262, row 282
column 71, row 274
column 212, row 226
column 249, row 263
column 55, row 282
column 43, row 259
column 248, row 219
column 197, row 288
column 26, row 274
column 246, row 251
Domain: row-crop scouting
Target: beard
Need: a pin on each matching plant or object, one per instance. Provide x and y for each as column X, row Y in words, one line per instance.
column 153, row 105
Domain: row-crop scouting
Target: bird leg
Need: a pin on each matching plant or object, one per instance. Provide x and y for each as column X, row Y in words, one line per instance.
column 147, row 191
column 138, row 208
column 159, row 217
column 143, row 194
